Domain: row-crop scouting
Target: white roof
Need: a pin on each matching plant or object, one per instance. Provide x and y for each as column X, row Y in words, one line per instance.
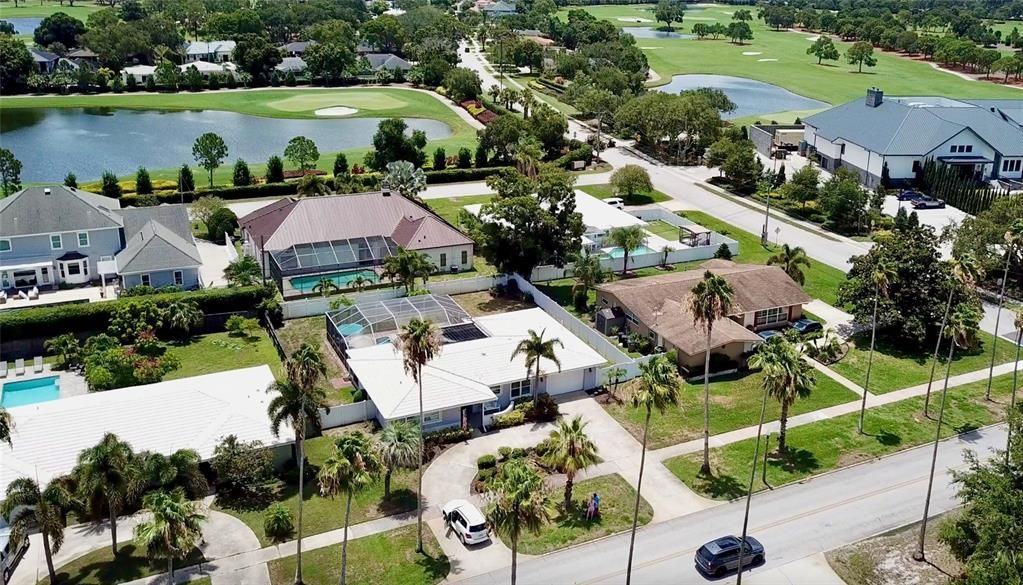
column 140, row 70
column 463, row 372
column 597, row 215
column 205, row 48
column 193, row 413
column 207, row 67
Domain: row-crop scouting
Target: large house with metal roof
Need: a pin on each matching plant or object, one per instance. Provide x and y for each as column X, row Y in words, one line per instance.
column 982, row 138
column 52, row 236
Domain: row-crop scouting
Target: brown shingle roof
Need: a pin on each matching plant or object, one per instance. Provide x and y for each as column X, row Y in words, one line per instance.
column 661, row 302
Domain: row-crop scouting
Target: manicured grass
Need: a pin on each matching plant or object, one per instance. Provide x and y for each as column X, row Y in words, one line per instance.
column 322, row 514
column 734, row 404
column 663, row 229
column 99, row 567
column 825, row 445
column 617, row 499
column 605, row 191
column 218, row 352
column 450, row 207
column 42, row 10
column 313, row 330
column 895, row 368
column 821, row 280
column 389, row 557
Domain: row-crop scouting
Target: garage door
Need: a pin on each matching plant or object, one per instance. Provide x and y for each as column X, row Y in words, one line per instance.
column 560, row 383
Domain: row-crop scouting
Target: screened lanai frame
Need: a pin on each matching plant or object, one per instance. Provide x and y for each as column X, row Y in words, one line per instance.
column 321, row 257
column 372, row 322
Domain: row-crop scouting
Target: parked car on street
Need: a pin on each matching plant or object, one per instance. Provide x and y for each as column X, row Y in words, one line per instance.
column 466, row 521
column 804, row 326
column 720, row 556
column 928, row 203
column 911, row 195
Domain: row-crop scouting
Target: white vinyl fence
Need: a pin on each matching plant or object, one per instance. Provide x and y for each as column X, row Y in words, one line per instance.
column 346, row 414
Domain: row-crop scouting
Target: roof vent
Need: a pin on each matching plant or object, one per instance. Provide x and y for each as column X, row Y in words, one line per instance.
column 386, row 192
column 874, row 97
column 46, row 191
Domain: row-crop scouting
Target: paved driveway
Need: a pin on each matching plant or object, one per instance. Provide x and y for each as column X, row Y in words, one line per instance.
column 214, row 261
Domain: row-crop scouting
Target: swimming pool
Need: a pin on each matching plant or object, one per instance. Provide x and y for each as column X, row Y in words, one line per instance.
column 619, row 252
column 30, row 391
column 306, row 284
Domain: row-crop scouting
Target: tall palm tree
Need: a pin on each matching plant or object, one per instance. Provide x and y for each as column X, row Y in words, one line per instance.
column 571, row 452
column 535, row 348
column 627, row 238
column 29, row 509
column 109, row 473
column 587, row 271
column 419, row 342
column 325, row 286
column 347, row 470
column 881, row 276
column 793, row 261
column 658, row 388
column 1018, row 324
column 399, row 448
column 528, row 154
column 181, row 469
column 297, row 402
column 787, row 377
column 964, row 270
column 174, row 529
column 6, row 426
column 615, row 375
column 67, row 347
column 520, row 502
column 1013, row 239
column 183, row 316
column 528, row 100
column 710, row 300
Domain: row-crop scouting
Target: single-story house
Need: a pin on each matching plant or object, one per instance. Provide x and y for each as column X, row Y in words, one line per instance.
column 83, row 54
column 212, row 51
column 981, row 138
column 51, row 236
column 188, row 413
column 205, row 68
column 141, row 73
column 656, row 306
column 473, row 378
column 342, row 237
column 44, row 61
column 291, row 65
column 297, row 48
column 499, row 9
column 389, row 61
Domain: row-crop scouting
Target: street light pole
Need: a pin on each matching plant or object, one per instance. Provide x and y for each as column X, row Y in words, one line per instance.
column 749, row 491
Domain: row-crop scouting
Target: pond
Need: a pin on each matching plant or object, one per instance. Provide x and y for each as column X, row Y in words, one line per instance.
column 750, row 96
column 52, row 141
column 649, row 32
column 24, row 25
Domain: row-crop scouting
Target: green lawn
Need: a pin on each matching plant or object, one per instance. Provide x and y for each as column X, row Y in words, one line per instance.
column 617, row 499
column 42, row 10
column 734, row 404
column 218, row 352
column 821, row 280
column 605, row 191
column 98, row 567
column 389, row 557
column 322, row 514
column 372, row 102
column 663, row 229
column 450, row 207
column 313, row 330
column 895, row 368
column 825, row 445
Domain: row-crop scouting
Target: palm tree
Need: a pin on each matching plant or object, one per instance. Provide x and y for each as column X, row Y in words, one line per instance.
column 528, row 100
column 245, row 271
column 419, row 342
column 792, row 261
column 351, row 467
column 520, row 502
column 183, row 316
column 180, row 470
column 312, row 186
column 174, row 529
column 325, row 286
column 587, row 271
column 628, row 239
column 298, row 402
column 360, row 282
column 571, row 451
column 399, row 448
column 403, row 177
column 882, row 276
column 1018, row 324
column 710, row 300
column 535, row 349
column 963, row 270
column 787, row 376
column 67, row 347
column 6, row 426
column 405, row 266
column 615, row 375
column 29, row 509
column 658, row 388
column 528, row 154
column 109, row 473
column 1013, row 239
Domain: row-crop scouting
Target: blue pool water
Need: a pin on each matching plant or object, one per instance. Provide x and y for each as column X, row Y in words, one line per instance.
column 618, row 252
column 341, row 279
column 30, row 391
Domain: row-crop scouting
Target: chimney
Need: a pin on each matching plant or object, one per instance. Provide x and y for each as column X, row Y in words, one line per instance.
column 874, row 97
column 386, row 192
column 46, row 191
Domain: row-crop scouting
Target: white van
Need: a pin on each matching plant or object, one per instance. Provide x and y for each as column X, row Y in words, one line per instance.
column 11, row 551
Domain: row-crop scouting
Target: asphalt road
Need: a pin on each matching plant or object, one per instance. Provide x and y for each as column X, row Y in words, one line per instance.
column 793, row 522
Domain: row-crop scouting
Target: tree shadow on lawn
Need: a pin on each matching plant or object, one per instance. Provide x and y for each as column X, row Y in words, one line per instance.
column 794, row 460
column 401, row 500
column 720, row 487
column 254, row 500
column 436, row 568
column 129, row 565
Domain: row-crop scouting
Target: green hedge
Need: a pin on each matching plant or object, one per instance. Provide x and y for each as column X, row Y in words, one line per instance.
column 87, row 317
column 461, row 175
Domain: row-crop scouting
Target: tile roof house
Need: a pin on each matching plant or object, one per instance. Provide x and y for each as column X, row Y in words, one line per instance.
column 982, row 138
column 59, row 235
column 212, row 51
column 656, row 307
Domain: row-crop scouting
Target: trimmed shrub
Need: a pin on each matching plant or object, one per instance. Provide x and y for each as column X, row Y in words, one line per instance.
column 278, row 524
column 486, row 462
column 464, row 158
column 583, row 153
column 447, row 436
column 504, row 452
column 511, row 419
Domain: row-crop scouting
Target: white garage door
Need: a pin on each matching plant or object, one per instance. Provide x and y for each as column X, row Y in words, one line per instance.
column 560, row 383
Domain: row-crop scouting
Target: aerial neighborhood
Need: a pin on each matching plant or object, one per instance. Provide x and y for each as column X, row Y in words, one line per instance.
column 511, row 291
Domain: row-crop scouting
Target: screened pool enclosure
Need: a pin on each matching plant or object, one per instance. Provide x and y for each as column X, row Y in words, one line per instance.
column 379, row 321
column 331, row 260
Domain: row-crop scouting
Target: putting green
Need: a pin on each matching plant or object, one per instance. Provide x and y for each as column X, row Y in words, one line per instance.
column 359, row 99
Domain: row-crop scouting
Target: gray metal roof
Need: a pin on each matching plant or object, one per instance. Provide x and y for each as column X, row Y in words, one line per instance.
column 155, row 248
column 378, row 61
column 171, row 216
column 32, row 211
column 295, row 64
column 899, row 128
column 207, row 47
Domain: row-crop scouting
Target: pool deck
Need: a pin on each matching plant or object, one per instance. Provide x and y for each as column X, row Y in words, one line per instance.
column 71, row 384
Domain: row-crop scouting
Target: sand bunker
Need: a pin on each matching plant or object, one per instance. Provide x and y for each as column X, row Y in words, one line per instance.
column 634, row 19
column 751, row 53
column 813, row 39
column 765, row 60
column 335, row 111
column 707, row 18
column 650, row 48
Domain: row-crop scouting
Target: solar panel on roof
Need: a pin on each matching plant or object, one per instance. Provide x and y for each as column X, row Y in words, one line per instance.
column 458, row 333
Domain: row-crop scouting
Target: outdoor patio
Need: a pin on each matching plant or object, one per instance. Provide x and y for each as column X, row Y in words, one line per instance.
column 85, row 294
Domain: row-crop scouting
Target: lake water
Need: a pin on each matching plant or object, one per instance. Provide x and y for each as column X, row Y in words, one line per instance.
column 750, row 96
column 52, row 141
column 24, row 25
column 649, row 32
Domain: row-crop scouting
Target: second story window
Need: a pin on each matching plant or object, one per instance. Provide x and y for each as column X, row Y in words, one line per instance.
column 56, row 243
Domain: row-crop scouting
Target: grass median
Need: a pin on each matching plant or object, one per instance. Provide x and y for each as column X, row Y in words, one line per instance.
column 99, row 567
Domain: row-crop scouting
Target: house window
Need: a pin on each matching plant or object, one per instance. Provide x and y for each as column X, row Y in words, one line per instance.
column 145, row 280
column 842, row 151
column 431, row 418
column 179, row 278
column 969, row 148
column 105, row 258
column 465, row 257
column 56, row 243
column 769, row 316
column 83, row 239
column 916, row 166
column 74, row 268
column 5, row 245
column 85, row 267
column 493, row 406
column 443, row 260
column 1008, row 166
column 520, row 389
